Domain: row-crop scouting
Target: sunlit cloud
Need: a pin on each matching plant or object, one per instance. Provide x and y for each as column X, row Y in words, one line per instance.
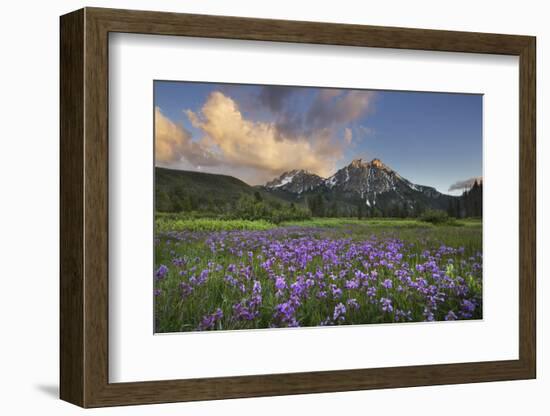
column 174, row 143
column 256, row 149
column 258, row 145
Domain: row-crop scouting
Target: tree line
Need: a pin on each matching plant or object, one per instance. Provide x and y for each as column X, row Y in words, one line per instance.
column 469, row 204
column 258, row 206
column 320, row 207
column 246, row 207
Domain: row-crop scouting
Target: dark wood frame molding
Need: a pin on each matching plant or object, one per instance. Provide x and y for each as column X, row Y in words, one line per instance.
column 84, row 208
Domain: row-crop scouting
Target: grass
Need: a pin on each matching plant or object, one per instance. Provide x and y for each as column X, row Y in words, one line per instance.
column 164, row 224
column 465, row 232
column 175, row 222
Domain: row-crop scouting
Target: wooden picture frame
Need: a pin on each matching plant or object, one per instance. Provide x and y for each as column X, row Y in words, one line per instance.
column 84, row 207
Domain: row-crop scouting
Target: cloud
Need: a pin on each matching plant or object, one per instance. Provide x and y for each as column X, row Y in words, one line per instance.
column 330, row 108
column 348, row 135
column 465, row 184
column 274, row 97
column 303, row 128
column 338, row 107
column 260, row 147
column 174, row 143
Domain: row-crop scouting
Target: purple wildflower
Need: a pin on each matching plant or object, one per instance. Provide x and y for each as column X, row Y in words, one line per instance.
column 451, row 316
column 339, row 312
column 280, row 283
column 386, row 304
column 161, row 272
column 352, row 303
column 388, row 284
column 208, row 321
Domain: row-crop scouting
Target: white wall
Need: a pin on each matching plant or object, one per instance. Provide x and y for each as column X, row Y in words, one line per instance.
column 29, row 210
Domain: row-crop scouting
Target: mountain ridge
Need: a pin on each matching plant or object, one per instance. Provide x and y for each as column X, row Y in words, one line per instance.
column 372, row 183
column 286, row 178
column 362, row 188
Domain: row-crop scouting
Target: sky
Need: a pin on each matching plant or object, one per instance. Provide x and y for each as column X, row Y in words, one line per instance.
column 258, row 132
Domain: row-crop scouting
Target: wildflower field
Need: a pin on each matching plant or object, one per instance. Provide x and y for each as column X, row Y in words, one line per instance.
column 222, row 275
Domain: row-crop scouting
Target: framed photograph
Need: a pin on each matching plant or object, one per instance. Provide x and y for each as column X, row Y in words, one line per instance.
column 256, row 207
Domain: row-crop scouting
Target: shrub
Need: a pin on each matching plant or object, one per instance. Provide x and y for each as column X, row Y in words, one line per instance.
column 249, row 208
column 435, row 216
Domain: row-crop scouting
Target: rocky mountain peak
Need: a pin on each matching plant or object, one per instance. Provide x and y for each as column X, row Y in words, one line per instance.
column 373, row 183
column 377, row 163
column 295, row 181
column 362, row 164
column 358, row 163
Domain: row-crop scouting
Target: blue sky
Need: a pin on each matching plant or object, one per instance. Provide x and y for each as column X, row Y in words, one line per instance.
column 257, row 132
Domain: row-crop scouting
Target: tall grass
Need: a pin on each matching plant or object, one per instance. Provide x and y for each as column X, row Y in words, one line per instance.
column 206, row 224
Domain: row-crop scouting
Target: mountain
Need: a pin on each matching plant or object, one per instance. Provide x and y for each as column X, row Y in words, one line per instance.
column 296, row 181
column 359, row 189
column 374, row 180
column 372, row 186
column 177, row 190
column 221, row 196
